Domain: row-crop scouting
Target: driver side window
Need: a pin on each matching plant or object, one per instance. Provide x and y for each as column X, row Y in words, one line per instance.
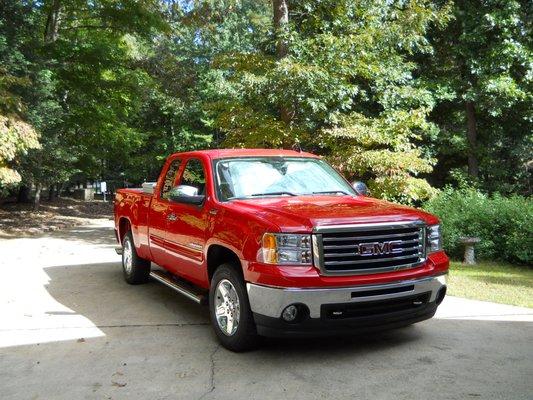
column 194, row 175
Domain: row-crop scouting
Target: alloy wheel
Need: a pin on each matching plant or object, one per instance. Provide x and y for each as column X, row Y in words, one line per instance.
column 227, row 307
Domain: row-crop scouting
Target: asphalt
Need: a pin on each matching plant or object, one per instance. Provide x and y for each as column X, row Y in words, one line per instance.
column 71, row 328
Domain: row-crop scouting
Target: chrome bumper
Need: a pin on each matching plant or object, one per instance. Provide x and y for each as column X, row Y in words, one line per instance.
column 270, row 301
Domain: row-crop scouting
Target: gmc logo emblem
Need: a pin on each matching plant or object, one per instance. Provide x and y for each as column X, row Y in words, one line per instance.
column 379, row 248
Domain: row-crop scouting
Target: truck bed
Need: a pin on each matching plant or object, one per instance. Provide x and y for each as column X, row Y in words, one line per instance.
column 132, row 207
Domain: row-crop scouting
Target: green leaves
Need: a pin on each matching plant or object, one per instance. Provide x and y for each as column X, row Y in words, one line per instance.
column 349, row 87
column 381, row 150
column 88, row 85
column 378, row 88
column 484, row 55
column 16, row 138
column 505, row 225
column 17, row 134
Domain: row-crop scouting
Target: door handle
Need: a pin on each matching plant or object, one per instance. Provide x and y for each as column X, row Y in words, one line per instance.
column 172, row 217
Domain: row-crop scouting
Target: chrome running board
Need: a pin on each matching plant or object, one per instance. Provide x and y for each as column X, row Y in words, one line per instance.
column 188, row 290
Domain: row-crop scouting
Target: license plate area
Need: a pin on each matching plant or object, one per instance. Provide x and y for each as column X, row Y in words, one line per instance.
column 375, row 308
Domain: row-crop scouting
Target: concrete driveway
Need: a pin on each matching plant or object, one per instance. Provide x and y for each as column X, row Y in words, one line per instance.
column 71, row 328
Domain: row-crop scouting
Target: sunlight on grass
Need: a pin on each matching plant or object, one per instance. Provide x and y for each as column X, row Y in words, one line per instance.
column 491, row 281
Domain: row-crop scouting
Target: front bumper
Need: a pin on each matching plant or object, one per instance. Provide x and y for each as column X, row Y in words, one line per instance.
column 346, row 309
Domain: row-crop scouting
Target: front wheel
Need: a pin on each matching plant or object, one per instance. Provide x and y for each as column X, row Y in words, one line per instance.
column 230, row 312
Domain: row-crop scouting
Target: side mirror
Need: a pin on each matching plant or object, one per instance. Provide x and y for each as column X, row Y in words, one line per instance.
column 148, row 187
column 186, row 194
column 360, row 188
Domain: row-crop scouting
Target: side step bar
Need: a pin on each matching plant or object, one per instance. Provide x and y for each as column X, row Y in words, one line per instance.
column 184, row 288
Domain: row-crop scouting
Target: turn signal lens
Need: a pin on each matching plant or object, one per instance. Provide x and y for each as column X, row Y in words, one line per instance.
column 269, row 249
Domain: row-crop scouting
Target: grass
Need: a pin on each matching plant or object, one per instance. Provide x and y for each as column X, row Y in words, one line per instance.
column 491, row 281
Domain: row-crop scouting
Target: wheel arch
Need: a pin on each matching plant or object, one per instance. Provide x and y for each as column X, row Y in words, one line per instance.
column 124, row 226
column 218, row 254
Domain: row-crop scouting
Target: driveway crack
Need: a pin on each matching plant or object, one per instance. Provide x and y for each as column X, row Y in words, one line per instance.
column 212, row 385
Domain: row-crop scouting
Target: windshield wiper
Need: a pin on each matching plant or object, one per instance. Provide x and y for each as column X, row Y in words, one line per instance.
column 273, row 194
column 331, row 192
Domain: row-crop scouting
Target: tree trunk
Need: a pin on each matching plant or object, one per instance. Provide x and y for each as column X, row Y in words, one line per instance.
column 51, row 192
column 37, row 198
column 23, row 194
column 281, row 27
column 51, row 32
column 473, row 168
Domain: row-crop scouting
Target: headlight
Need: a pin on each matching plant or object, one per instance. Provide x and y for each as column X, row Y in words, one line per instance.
column 280, row 248
column 433, row 239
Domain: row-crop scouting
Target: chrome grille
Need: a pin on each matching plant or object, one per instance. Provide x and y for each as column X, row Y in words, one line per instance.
column 369, row 248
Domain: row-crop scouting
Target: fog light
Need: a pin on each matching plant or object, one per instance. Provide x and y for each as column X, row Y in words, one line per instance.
column 290, row 313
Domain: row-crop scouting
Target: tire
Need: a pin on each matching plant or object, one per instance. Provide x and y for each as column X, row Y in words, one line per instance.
column 136, row 270
column 244, row 336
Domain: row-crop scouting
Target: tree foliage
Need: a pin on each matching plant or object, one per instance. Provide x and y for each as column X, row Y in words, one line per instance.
column 348, row 82
column 406, row 95
column 483, row 59
column 504, row 224
column 17, row 135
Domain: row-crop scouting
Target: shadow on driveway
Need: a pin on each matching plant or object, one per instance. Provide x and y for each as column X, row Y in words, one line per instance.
column 152, row 343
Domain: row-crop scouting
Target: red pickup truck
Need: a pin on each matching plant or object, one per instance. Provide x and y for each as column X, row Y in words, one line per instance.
column 280, row 244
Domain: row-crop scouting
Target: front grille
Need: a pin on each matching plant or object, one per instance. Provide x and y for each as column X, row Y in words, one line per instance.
column 369, row 248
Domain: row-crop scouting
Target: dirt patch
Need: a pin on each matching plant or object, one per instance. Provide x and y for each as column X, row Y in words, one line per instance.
column 20, row 220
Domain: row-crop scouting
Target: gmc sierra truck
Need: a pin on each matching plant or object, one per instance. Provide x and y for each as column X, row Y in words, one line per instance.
column 278, row 243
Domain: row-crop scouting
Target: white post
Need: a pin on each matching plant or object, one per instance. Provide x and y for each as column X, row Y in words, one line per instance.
column 103, row 188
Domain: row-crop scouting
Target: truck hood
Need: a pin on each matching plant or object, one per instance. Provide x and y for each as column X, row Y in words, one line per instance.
column 302, row 213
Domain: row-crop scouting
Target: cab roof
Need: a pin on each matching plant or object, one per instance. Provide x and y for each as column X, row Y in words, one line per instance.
column 228, row 153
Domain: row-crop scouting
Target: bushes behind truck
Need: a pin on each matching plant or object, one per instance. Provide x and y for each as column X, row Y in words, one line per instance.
column 504, row 224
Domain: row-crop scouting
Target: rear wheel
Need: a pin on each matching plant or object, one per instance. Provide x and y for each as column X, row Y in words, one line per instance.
column 136, row 269
column 230, row 312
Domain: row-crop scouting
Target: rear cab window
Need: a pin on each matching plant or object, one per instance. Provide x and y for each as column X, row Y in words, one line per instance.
column 170, row 178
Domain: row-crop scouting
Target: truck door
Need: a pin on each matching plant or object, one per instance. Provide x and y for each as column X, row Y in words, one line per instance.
column 187, row 226
column 158, row 214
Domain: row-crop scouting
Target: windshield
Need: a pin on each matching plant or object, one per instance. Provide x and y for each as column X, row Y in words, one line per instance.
column 241, row 178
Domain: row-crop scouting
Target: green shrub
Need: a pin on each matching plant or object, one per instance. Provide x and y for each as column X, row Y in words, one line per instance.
column 504, row 224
